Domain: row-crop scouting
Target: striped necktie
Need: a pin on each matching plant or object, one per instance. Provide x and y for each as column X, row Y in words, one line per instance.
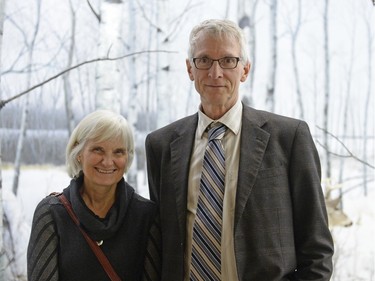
column 206, row 243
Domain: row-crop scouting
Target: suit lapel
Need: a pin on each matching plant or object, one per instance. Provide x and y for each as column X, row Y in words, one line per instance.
column 254, row 141
column 181, row 148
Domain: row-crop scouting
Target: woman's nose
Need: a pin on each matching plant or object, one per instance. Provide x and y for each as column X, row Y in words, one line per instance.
column 107, row 159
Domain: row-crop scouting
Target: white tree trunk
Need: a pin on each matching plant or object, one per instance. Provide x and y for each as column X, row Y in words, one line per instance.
column 270, row 99
column 247, row 23
column 370, row 44
column 164, row 95
column 66, row 77
column 295, row 33
column 346, row 111
column 253, row 52
column 132, row 108
column 326, row 90
column 107, row 73
column 25, row 110
column 2, row 252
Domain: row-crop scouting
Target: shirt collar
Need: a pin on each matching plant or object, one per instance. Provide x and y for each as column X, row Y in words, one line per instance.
column 232, row 119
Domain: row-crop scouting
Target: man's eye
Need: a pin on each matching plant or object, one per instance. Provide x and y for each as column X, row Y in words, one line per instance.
column 205, row 60
column 228, row 60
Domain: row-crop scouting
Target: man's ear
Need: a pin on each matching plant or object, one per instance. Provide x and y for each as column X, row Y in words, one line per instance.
column 246, row 71
column 189, row 68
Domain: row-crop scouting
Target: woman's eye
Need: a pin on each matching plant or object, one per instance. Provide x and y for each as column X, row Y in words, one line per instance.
column 97, row 149
column 120, row 152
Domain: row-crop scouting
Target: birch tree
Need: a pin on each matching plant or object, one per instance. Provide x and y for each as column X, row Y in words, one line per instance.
column 326, row 90
column 151, row 83
column 348, row 86
column 294, row 31
column 107, row 73
column 25, row 110
column 370, row 42
column 270, row 98
column 66, row 77
column 247, row 11
column 2, row 251
column 164, row 102
column 133, row 106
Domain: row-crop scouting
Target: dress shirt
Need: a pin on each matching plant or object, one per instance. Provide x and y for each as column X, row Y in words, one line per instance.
column 231, row 143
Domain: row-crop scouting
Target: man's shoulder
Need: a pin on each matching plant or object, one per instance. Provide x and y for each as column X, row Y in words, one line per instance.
column 263, row 116
column 178, row 124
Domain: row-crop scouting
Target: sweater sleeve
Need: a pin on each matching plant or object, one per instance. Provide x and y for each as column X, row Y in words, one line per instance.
column 42, row 252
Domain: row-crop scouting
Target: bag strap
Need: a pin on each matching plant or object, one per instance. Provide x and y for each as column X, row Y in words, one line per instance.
column 93, row 245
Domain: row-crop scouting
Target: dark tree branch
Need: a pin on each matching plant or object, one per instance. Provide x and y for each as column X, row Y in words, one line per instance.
column 93, row 11
column 4, row 102
column 349, row 155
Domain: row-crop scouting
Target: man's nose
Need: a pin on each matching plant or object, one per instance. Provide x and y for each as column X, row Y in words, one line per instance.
column 215, row 71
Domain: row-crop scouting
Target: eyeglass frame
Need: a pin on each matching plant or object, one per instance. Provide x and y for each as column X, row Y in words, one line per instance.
column 218, row 61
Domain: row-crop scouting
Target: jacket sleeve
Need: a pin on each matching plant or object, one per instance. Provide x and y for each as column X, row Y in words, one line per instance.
column 42, row 252
column 313, row 240
column 152, row 265
column 152, row 171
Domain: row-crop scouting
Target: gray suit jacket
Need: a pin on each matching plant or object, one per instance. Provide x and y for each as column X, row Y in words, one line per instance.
column 281, row 230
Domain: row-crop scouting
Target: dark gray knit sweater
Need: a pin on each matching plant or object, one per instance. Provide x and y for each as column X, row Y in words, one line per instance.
column 58, row 251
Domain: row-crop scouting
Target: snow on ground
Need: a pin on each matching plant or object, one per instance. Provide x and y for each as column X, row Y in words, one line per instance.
column 354, row 246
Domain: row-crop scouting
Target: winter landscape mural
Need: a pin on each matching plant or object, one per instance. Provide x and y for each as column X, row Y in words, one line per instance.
column 60, row 60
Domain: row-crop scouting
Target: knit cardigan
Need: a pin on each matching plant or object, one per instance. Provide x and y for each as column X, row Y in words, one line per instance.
column 58, row 251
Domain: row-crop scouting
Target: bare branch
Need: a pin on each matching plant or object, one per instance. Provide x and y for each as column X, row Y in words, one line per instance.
column 4, row 102
column 350, row 154
column 93, row 11
column 158, row 29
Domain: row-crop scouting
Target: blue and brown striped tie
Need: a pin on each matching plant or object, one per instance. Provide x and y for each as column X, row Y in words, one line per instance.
column 206, row 244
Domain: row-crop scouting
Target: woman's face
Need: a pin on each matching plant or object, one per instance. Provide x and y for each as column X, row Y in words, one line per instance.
column 103, row 163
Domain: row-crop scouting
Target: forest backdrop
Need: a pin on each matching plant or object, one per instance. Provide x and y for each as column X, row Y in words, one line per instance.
column 60, row 60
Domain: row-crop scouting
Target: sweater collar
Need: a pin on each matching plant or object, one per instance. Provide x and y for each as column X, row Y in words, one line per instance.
column 97, row 228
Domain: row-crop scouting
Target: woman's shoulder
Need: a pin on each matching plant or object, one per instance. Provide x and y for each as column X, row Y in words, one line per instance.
column 143, row 205
column 136, row 199
column 44, row 211
column 47, row 203
column 143, row 201
column 50, row 199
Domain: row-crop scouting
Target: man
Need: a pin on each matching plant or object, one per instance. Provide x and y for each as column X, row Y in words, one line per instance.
column 274, row 221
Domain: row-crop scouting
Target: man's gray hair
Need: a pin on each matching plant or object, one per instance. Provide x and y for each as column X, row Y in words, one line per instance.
column 219, row 28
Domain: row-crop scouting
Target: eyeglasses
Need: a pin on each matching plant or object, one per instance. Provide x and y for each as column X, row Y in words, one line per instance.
column 225, row 62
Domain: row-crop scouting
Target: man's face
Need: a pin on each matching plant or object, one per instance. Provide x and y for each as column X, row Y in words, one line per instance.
column 218, row 88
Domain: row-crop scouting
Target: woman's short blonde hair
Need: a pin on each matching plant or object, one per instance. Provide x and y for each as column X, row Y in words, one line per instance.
column 98, row 126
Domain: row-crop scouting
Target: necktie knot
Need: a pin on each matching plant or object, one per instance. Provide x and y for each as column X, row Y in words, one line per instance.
column 216, row 132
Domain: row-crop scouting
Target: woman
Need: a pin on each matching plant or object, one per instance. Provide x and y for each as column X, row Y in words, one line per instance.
column 99, row 152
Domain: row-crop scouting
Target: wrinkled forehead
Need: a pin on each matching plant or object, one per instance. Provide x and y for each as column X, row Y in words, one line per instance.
column 217, row 43
column 216, row 34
